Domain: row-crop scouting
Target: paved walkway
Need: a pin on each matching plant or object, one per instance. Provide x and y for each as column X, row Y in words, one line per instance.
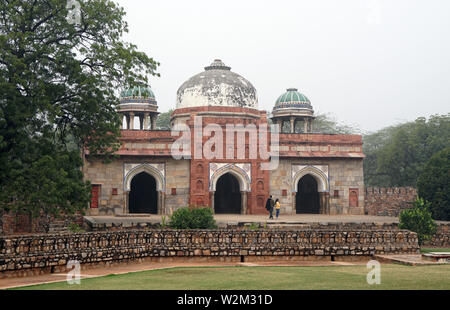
column 234, row 219
column 305, row 218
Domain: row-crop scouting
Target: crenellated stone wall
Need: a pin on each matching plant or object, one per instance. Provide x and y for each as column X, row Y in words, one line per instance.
column 23, row 255
column 388, row 201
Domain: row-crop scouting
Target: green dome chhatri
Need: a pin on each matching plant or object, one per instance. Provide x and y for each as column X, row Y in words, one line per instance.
column 292, row 107
column 138, row 94
column 293, row 99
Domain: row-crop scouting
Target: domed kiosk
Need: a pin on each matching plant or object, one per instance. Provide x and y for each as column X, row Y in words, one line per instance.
column 217, row 91
column 139, row 102
column 294, row 108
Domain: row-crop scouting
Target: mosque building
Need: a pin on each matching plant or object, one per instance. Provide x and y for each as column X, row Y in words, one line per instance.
column 315, row 173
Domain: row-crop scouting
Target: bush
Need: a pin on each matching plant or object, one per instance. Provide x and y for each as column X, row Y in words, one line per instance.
column 434, row 184
column 419, row 220
column 75, row 228
column 187, row 218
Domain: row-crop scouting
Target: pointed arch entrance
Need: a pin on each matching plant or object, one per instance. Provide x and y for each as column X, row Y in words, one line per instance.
column 143, row 197
column 307, row 197
column 237, row 182
column 227, row 198
column 147, row 182
column 311, row 187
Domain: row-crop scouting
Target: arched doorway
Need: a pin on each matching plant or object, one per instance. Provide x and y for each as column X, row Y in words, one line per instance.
column 307, row 199
column 227, row 198
column 143, row 196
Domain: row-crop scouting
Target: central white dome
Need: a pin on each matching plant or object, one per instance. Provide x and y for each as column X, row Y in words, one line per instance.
column 217, row 86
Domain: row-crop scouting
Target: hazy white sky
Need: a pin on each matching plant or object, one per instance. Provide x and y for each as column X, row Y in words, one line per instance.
column 370, row 63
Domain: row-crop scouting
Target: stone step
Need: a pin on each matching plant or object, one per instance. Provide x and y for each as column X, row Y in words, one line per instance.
column 440, row 257
column 407, row 259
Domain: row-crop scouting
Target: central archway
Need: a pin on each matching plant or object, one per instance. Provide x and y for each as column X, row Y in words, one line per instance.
column 143, row 196
column 307, row 198
column 227, row 198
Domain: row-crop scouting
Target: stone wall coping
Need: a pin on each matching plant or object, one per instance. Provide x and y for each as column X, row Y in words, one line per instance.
column 189, row 231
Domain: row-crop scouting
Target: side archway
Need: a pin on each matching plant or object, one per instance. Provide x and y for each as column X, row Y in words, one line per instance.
column 304, row 183
column 158, row 187
column 143, row 197
column 320, row 177
column 159, row 178
column 307, row 197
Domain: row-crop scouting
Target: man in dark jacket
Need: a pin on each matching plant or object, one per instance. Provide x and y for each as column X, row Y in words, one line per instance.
column 269, row 206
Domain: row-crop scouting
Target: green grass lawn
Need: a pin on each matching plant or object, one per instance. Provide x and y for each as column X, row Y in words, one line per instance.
column 428, row 250
column 267, row 278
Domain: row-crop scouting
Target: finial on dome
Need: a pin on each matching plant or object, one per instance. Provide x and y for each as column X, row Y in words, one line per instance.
column 218, row 65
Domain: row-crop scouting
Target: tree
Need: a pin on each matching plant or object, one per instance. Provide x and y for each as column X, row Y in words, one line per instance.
column 372, row 144
column 397, row 155
column 58, row 79
column 325, row 123
column 419, row 220
column 163, row 121
column 434, row 184
column 397, row 160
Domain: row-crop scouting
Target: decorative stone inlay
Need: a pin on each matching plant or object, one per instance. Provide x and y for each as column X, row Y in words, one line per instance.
column 241, row 170
column 319, row 172
column 156, row 170
column 297, row 168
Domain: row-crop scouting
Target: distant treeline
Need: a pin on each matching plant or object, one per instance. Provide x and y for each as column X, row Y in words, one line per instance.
column 397, row 155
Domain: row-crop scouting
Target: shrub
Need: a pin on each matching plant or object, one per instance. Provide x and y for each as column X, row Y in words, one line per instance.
column 187, row 218
column 419, row 220
column 163, row 222
column 75, row 228
column 253, row 226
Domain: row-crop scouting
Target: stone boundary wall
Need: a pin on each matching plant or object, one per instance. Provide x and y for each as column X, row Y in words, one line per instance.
column 388, row 201
column 21, row 254
column 442, row 236
column 440, row 239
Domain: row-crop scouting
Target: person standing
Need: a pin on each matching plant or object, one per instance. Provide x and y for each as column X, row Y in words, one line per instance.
column 277, row 207
column 269, row 207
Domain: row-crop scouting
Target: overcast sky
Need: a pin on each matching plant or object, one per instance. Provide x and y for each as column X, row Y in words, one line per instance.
column 370, row 63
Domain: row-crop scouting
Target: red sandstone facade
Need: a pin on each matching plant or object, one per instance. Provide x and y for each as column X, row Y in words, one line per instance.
column 148, row 146
column 313, row 172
